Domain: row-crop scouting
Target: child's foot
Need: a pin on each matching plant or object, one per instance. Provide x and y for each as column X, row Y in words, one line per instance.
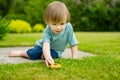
column 15, row 53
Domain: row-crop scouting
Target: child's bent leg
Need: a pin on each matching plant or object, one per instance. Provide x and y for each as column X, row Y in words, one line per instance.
column 18, row 54
column 53, row 54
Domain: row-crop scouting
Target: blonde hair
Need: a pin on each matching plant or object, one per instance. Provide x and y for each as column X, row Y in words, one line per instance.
column 56, row 12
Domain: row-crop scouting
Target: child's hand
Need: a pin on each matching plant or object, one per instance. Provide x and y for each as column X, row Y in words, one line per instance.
column 49, row 61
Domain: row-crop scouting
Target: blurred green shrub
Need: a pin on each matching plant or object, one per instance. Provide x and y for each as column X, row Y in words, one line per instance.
column 3, row 27
column 38, row 28
column 19, row 26
column 94, row 15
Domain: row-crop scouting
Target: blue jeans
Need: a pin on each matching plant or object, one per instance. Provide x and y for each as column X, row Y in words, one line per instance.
column 36, row 52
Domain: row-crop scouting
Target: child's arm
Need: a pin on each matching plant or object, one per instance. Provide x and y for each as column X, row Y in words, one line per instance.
column 46, row 53
column 74, row 51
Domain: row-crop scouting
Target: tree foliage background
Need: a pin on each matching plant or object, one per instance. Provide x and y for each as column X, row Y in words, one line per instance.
column 86, row 15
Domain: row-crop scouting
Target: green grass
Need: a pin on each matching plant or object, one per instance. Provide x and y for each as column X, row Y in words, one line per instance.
column 93, row 68
column 12, row 40
column 104, row 66
column 102, row 43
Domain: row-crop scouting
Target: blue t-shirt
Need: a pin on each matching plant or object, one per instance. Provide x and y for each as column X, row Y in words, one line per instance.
column 58, row 42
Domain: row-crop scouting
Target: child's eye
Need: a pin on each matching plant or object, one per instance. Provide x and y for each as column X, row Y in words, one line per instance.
column 62, row 23
column 54, row 24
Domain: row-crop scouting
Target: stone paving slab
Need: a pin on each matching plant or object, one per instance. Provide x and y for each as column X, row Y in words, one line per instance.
column 4, row 58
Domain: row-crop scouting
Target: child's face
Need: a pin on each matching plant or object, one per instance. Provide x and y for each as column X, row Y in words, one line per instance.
column 57, row 28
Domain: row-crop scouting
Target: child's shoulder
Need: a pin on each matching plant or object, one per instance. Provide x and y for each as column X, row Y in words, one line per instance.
column 69, row 26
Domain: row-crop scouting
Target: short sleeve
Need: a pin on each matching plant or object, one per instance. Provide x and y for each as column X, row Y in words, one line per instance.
column 71, row 38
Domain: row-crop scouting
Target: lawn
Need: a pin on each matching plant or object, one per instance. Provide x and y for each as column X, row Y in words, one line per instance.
column 102, row 43
column 104, row 66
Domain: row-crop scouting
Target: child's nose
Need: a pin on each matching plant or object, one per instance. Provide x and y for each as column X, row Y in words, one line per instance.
column 58, row 27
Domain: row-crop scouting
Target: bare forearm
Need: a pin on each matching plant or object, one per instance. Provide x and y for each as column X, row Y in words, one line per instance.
column 74, row 50
column 46, row 53
column 46, row 50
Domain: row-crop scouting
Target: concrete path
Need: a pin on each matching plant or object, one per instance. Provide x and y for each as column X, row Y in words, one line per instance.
column 5, row 59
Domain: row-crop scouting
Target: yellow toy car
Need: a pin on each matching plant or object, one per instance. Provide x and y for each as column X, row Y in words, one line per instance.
column 55, row 66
